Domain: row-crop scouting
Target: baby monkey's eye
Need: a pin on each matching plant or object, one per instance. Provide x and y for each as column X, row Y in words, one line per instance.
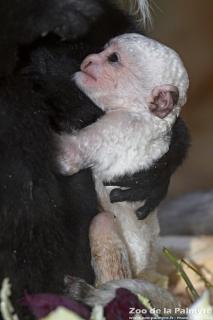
column 113, row 57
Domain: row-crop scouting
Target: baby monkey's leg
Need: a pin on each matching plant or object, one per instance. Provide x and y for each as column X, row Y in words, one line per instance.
column 109, row 253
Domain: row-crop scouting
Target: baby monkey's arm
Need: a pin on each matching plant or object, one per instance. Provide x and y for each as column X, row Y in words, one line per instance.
column 78, row 151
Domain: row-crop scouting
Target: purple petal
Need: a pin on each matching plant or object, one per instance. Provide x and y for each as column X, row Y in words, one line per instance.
column 119, row 307
column 42, row 304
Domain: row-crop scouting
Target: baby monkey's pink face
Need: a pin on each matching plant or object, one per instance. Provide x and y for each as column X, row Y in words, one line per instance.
column 133, row 73
column 102, row 69
column 107, row 77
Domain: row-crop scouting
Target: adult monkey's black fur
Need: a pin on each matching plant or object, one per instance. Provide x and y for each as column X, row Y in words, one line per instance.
column 44, row 217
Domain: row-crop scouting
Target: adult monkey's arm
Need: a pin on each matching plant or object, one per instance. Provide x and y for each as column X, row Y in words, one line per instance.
column 152, row 185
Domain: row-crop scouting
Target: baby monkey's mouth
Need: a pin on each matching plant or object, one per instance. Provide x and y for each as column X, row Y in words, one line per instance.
column 89, row 74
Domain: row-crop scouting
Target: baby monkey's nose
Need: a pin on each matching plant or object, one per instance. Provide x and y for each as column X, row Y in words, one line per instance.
column 92, row 58
column 85, row 65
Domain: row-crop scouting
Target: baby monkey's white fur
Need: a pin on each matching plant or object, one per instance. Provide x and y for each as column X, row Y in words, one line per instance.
column 135, row 89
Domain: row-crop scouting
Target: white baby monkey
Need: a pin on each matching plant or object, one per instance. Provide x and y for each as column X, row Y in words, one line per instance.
column 141, row 85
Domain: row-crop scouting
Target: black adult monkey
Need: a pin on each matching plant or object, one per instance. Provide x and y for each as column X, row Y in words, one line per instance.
column 45, row 217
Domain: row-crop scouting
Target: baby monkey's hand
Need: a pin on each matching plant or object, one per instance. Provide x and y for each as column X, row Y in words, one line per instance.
column 68, row 154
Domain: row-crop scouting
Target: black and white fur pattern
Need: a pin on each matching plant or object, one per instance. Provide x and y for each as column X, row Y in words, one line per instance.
column 44, row 216
column 128, row 137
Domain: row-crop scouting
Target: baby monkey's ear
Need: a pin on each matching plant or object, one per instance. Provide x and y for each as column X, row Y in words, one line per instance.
column 163, row 99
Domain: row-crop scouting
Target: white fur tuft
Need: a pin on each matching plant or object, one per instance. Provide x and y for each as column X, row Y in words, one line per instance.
column 137, row 8
column 141, row 8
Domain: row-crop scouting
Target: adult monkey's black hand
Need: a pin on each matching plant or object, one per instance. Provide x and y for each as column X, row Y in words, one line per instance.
column 151, row 185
